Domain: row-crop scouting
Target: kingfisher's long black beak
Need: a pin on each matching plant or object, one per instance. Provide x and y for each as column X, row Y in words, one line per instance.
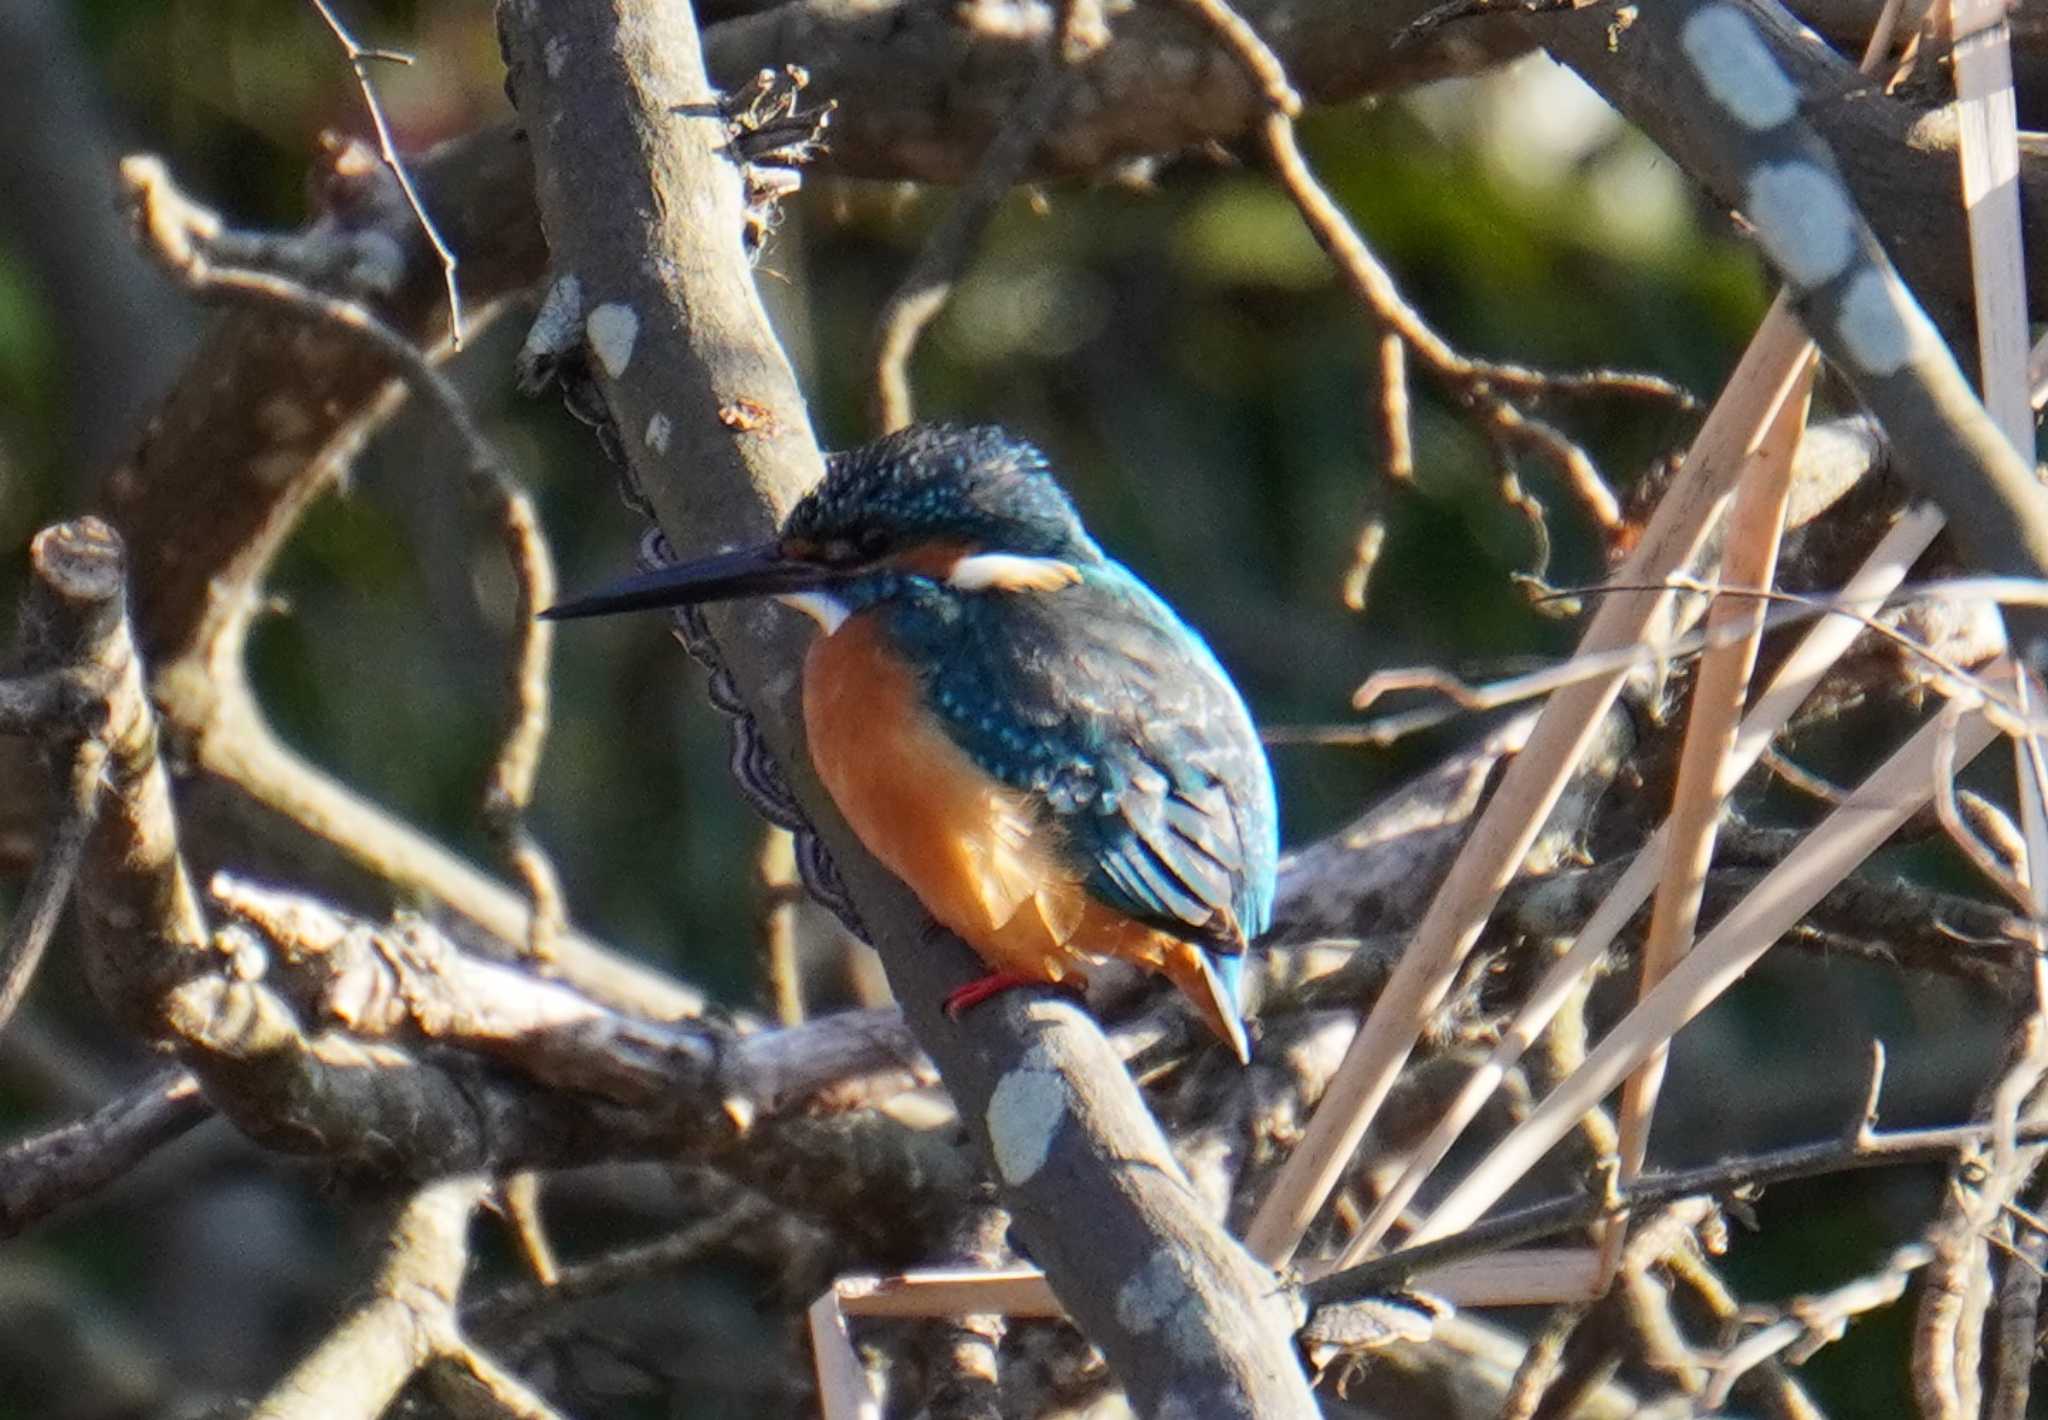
column 751, row 571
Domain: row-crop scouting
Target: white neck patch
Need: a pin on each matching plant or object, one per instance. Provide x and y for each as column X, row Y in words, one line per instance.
column 827, row 610
column 1009, row 572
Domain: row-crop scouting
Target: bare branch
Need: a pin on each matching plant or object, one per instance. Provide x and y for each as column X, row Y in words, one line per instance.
column 407, row 983
column 49, row 1171
column 358, row 1370
column 49, row 887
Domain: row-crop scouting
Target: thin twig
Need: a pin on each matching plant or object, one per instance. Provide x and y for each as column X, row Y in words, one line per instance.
column 1485, row 388
column 1783, row 1397
column 1852, row 605
column 1795, row 775
column 360, row 58
column 49, row 886
column 1814, row 1322
column 1452, row 11
column 499, row 1312
column 2003, row 872
column 929, row 283
column 1858, row 1149
column 519, row 1197
column 181, row 233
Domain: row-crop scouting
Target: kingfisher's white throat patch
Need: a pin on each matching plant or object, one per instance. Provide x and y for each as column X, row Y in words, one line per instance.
column 828, row 611
column 1010, row 572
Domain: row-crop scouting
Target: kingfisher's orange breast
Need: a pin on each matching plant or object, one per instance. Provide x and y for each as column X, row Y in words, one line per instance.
column 985, row 859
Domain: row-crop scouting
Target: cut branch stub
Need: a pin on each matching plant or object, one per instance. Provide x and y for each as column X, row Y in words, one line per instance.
column 143, row 930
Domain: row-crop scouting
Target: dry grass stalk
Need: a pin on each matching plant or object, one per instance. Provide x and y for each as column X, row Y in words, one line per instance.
column 844, row 1392
column 1707, row 768
column 1828, row 854
column 1761, row 384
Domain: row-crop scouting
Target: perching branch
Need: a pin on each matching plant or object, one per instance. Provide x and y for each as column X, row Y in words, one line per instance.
column 644, row 211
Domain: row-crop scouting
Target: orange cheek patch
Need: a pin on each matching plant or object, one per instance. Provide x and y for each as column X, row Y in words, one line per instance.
column 935, row 560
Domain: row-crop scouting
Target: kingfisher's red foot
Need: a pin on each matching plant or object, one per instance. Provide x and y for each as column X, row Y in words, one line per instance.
column 966, row 998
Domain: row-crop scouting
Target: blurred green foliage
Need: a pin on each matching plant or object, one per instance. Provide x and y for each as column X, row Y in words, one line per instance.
column 1180, row 348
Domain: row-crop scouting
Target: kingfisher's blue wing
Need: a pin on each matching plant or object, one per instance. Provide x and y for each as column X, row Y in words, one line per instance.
column 1098, row 699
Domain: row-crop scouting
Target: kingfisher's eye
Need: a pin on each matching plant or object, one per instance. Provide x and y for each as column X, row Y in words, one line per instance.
column 872, row 542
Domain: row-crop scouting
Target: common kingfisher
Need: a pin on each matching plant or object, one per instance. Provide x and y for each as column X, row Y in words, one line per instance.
column 1012, row 721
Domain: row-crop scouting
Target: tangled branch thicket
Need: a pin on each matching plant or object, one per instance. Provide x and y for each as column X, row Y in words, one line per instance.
column 345, row 1006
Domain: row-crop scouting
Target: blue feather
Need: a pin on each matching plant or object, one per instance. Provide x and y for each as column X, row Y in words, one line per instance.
column 1103, row 702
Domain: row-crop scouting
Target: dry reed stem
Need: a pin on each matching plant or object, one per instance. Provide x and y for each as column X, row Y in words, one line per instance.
column 1528, row 791
column 844, row 1392
column 1707, row 769
column 1822, row 646
column 1829, row 853
column 949, row 1292
column 1880, row 574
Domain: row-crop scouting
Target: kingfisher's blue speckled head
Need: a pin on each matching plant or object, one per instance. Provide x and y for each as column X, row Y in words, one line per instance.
column 973, row 509
column 933, row 484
